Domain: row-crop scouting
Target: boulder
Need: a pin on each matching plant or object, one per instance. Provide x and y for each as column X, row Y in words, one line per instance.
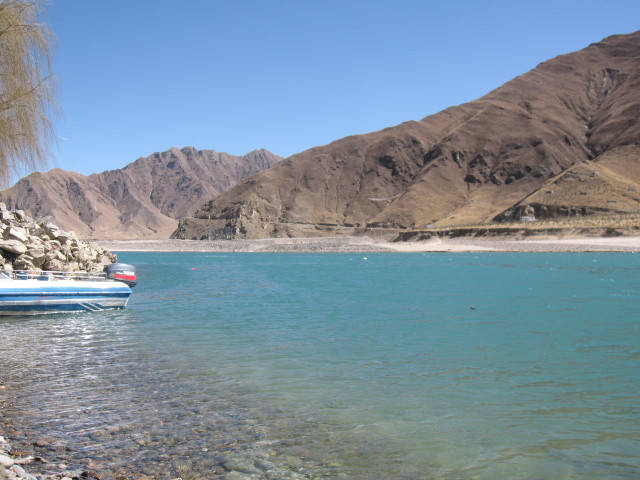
column 13, row 246
column 65, row 237
column 53, row 244
column 53, row 265
column 16, row 233
column 23, row 262
column 51, row 229
column 37, row 254
column 7, row 217
column 56, row 255
column 74, row 266
column 22, row 216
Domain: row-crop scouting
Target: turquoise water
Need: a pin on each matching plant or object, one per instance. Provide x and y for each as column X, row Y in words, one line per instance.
column 421, row 366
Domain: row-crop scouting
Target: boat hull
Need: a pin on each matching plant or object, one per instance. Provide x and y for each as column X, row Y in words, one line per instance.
column 28, row 297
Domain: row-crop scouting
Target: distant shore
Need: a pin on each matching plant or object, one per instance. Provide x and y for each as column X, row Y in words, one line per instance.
column 366, row 244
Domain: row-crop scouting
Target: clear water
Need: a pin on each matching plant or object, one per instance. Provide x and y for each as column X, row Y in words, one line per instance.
column 360, row 366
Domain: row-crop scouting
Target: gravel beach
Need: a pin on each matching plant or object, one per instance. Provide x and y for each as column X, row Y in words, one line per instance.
column 366, row 244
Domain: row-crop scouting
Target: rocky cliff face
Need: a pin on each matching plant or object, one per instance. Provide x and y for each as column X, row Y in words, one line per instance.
column 142, row 200
column 27, row 245
column 464, row 165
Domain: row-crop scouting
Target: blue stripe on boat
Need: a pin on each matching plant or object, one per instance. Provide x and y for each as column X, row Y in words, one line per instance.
column 48, row 297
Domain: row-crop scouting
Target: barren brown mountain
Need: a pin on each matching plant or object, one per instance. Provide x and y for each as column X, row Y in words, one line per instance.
column 473, row 163
column 142, row 200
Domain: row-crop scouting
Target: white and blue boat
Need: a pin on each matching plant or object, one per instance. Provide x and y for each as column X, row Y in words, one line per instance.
column 27, row 293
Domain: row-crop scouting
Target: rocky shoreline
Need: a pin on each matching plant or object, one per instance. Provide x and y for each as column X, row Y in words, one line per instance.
column 11, row 466
column 28, row 245
column 15, row 463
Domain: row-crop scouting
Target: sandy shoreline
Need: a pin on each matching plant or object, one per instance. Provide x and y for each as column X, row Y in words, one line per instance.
column 366, row 244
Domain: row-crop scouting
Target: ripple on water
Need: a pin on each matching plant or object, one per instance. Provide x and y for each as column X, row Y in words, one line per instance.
column 321, row 366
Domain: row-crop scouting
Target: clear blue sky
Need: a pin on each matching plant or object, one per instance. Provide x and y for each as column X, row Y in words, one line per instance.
column 140, row 76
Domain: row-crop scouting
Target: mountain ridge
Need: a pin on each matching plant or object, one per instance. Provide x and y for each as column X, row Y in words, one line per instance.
column 144, row 199
column 465, row 164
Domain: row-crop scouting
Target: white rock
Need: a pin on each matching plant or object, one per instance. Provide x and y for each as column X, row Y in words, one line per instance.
column 54, row 255
column 51, row 229
column 24, row 263
column 21, row 215
column 36, row 251
column 29, row 245
column 54, row 265
column 6, row 461
column 13, row 246
column 7, row 216
column 16, row 233
column 65, row 236
column 19, row 471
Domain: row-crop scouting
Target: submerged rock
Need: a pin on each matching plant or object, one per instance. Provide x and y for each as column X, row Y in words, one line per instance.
column 27, row 245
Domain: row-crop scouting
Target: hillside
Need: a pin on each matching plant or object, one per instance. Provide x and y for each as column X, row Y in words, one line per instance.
column 609, row 186
column 142, row 200
column 467, row 164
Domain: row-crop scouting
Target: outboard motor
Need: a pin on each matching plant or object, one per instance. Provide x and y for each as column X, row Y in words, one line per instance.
column 122, row 272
